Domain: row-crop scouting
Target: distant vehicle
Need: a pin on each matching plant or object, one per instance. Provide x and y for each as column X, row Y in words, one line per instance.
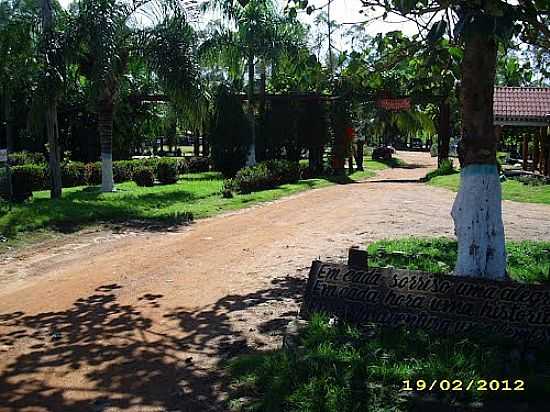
column 382, row 153
column 417, row 144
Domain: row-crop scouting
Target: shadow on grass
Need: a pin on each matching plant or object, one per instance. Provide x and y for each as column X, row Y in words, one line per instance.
column 126, row 359
column 78, row 209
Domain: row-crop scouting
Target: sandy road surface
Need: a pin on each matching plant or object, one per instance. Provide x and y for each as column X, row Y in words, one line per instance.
column 140, row 321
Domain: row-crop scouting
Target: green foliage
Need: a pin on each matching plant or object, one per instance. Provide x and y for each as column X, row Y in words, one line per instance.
column 27, row 178
column 24, row 157
column 446, row 168
column 73, row 174
column 198, row 164
column 92, row 173
column 266, row 175
column 230, row 134
column 167, row 171
column 144, row 176
column 123, row 170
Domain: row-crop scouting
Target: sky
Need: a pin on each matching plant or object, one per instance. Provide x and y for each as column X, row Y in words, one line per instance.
column 344, row 11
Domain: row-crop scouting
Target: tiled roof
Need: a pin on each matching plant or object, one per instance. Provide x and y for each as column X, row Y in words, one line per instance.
column 522, row 104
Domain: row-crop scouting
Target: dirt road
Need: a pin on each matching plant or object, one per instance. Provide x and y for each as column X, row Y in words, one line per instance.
column 140, row 321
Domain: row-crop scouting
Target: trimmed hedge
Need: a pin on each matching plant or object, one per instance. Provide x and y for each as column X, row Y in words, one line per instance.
column 265, row 175
column 36, row 175
column 73, row 174
column 26, row 179
column 167, row 170
column 144, row 176
column 198, row 164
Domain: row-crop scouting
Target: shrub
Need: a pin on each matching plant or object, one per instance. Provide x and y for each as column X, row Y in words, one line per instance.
column 198, row 164
column 144, row 176
column 73, row 174
column 182, row 166
column 92, row 173
column 284, row 170
column 167, row 170
column 24, row 158
column 254, row 178
column 266, row 175
column 123, row 170
column 27, row 178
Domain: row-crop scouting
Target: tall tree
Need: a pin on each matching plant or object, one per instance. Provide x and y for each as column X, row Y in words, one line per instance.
column 256, row 33
column 51, row 85
column 17, row 65
column 104, row 39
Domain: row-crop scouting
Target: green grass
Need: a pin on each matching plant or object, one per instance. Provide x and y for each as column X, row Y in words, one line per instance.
column 528, row 261
column 511, row 189
column 197, row 194
column 338, row 368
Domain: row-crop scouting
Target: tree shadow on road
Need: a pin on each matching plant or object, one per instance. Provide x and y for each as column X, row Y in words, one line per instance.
column 102, row 355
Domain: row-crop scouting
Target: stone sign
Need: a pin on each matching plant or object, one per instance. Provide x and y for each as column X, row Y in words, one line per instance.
column 444, row 304
column 3, row 155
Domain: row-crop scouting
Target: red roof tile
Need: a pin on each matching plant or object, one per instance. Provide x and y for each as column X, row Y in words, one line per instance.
column 517, row 104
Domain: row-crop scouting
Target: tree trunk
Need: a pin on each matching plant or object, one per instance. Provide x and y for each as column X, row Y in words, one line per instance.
column 52, row 128
column 53, row 148
column 359, row 153
column 477, row 210
column 105, row 125
column 537, row 146
column 205, row 146
column 196, row 145
column 10, row 141
column 525, row 151
column 444, row 131
column 251, row 159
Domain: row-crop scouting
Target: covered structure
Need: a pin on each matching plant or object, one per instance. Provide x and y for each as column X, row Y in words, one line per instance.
column 526, row 107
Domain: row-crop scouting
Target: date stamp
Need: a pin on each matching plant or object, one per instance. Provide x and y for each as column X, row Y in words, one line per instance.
column 460, row 385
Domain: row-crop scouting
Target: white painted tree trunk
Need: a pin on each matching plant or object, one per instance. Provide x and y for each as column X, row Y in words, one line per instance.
column 477, row 214
column 107, row 181
column 251, row 157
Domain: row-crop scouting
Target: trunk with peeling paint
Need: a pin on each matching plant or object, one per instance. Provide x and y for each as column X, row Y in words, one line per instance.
column 477, row 211
column 105, row 126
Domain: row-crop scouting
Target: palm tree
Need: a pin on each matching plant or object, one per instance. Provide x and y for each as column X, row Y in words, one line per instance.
column 104, row 37
column 169, row 49
column 254, row 37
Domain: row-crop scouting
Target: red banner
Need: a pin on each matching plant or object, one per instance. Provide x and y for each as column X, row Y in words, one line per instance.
column 394, row 104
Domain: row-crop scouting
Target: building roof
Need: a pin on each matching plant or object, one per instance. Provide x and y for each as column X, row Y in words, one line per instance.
column 522, row 106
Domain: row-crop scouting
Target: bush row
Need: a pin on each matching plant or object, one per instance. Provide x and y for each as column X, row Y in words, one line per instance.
column 264, row 175
column 28, row 177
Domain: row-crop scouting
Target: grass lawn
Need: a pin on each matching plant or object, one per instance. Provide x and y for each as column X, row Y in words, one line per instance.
column 511, row 189
column 336, row 368
column 198, row 194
